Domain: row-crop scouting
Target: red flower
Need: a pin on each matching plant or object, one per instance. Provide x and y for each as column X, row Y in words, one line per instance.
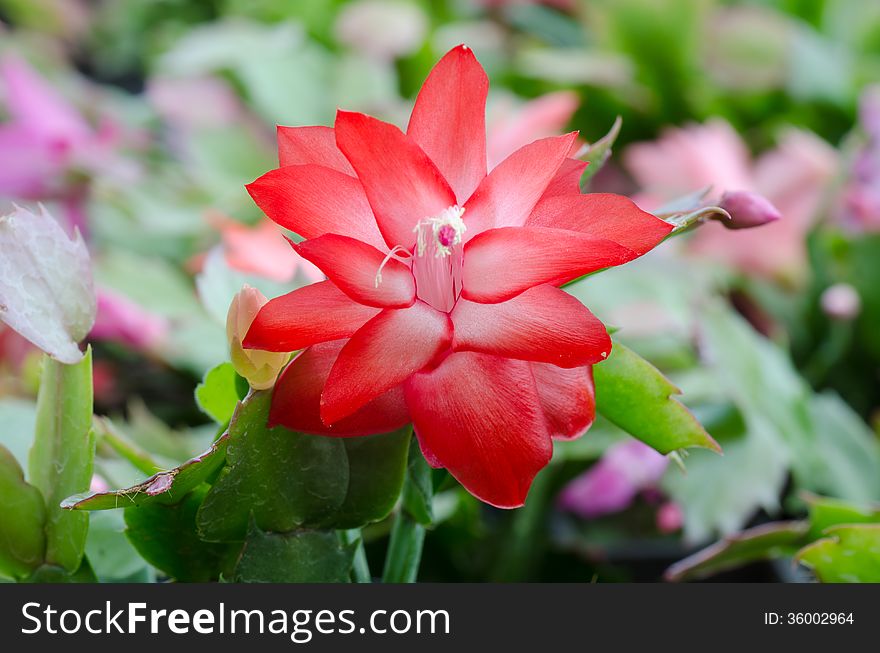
column 441, row 305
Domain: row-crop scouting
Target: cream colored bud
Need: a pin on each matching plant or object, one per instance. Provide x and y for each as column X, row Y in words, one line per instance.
column 260, row 368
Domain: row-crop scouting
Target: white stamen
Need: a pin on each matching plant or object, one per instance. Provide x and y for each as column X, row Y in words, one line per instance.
column 393, row 254
column 450, row 217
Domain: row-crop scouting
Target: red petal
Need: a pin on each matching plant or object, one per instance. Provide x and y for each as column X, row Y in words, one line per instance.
column 480, row 416
column 306, row 316
column 402, row 184
column 568, row 398
column 501, row 263
column 543, row 324
column 603, row 215
column 301, row 145
column 567, row 180
column 352, row 266
column 449, row 120
column 383, row 353
column 312, row 200
column 296, row 400
column 507, row 196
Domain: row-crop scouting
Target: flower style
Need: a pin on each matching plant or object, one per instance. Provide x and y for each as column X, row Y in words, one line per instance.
column 441, row 305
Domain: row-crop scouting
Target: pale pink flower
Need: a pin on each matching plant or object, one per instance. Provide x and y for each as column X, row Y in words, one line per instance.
column 47, row 147
column 121, row 320
column 612, row 484
column 511, row 126
column 262, row 250
column 793, row 177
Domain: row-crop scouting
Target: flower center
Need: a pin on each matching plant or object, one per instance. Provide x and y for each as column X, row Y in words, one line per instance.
column 436, row 263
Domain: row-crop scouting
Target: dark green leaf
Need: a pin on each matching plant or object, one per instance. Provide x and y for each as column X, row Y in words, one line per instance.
column 376, row 468
column 759, row 543
column 634, row 395
column 165, row 535
column 56, row 574
column 418, row 498
column 217, row 394
column 22, row 539
column 164, row 487
column 300, row 557
column 63, row 453
column 284, row 479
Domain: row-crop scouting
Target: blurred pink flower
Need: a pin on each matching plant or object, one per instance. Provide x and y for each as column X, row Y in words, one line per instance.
column 611, row 485
column 194, row 102
column 510, row 127
column 121, row 320
column 670, row 517
column 793, row 177
column 860, row 202
column 47, row 141
column 262, row 250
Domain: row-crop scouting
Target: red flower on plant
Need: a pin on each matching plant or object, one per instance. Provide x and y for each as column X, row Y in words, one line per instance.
column 442, row 305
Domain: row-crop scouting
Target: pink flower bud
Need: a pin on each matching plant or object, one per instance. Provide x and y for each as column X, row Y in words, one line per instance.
column 670, row 517
column 260, row 368
column 747, row 210
column 841, row 302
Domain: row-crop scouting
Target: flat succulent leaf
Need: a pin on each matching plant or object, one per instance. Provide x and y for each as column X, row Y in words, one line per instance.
column 63, row 453
column 164, row 487
column 298, row 557
column 634, row 395
column 55, row 574
column 376, row 469
column 166, row 537
column 217, row 395
column 418, row 495
column 109, row 552
column 849, row 554
column 46, row 289
column 825, row 513
column 22, row 539
column 760, row 543
column 284, row 479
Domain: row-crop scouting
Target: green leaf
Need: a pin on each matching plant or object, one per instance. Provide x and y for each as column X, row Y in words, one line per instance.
column 17, row 418
column 376, row 469
column 164, row 487
column 759, row 543
column 165, row 535
column 850, row 554
column 285, row 479
column 418, row 497
column 299, row 557
column 55, row 574
column 760, row 379
column 598, row 153
column 634, row 395
column 109, row 552
column 22, row 539
column 217, row 394
column 849, row 452
column 721, row 493
column 826, row 513
column 63, row 453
